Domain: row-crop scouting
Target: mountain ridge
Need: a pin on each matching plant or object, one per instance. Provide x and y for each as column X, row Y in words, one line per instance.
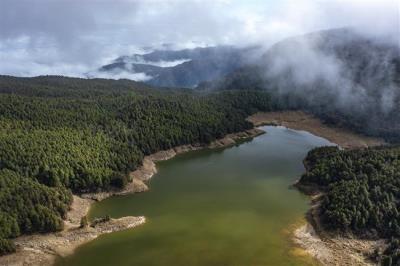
column 193, row 65
column 340, row 75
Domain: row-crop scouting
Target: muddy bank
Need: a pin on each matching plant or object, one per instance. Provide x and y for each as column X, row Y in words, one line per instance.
column 330, row 249
column 43, row 249
column 302, row 121
column 336, row 250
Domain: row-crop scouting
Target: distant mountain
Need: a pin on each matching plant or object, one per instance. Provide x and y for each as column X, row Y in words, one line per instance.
column 182, row 68
column 341, row 75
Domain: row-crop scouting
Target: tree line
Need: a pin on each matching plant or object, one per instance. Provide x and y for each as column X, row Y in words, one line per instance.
column 362, row 193
column 59, row 135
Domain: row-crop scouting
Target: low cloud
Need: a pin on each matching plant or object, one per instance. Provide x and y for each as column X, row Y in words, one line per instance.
column 344, row 69
column 71, row 37
column 128, row 61
column 119, row 75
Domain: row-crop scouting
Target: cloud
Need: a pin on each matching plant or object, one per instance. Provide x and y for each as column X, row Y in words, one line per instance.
column 119, row 75
column 72, row 37
column 128, row 61
column 341, row 69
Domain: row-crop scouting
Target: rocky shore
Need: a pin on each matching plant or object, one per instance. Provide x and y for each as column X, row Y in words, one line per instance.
column 328, row 249
column 43, row 249
column 337, row 250
column 331, row 249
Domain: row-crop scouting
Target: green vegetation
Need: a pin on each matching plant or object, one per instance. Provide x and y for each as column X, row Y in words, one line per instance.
column 62, row 134
column 101, row 220
column 27, row 206
column 6, row 246
column 84, row 222
column 363, row 96
column 391, row 255
column 362, row 192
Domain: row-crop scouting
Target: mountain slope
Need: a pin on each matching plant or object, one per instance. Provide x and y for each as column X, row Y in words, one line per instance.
column 340, row 75
column 182, row 68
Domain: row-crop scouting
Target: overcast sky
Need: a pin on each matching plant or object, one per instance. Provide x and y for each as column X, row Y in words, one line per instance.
column 71, row 37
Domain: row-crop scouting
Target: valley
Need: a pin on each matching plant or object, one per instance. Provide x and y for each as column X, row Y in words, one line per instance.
column 43, row 250
column 199, row 133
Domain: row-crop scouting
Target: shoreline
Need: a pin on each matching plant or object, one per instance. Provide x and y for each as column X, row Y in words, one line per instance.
column 148, row 168
column 327, row 249
column 299, row 120
column 44, row 249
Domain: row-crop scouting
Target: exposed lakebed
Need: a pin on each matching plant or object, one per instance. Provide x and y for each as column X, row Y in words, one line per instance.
column 212, row 207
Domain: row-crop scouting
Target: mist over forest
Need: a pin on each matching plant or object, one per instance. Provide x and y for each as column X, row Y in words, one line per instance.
column 342, row 75
column 92, row 91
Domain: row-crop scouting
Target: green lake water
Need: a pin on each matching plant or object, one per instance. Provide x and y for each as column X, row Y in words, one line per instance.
column 212, row 207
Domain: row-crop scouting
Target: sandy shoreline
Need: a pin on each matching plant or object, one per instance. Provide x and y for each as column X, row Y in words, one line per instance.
column 330, row 249
column 43, row 249
column 327, row 249
column 302, row 121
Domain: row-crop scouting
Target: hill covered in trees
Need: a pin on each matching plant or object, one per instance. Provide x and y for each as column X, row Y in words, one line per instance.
column 361, row 193
column 59, row 135
column 342, row 76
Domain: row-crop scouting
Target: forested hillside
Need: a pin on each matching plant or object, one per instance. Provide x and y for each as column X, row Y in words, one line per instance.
column 343, row 77
column 362, row 192
column 59, row 134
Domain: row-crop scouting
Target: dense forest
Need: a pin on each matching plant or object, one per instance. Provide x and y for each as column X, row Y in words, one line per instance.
column 59, row 135
column 362, row 193
column 28, row 206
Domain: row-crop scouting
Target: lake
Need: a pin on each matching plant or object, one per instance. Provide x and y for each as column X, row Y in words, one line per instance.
column 230, row 206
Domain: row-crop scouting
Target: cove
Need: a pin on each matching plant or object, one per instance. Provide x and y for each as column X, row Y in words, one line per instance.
column 212, row 207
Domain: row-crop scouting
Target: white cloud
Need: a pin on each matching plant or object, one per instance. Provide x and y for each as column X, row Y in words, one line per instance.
column 119, row 75
column 162, row 63
column 71, row 37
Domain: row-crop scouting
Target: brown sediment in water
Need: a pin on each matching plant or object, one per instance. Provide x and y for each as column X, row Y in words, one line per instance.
column 43, row 249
